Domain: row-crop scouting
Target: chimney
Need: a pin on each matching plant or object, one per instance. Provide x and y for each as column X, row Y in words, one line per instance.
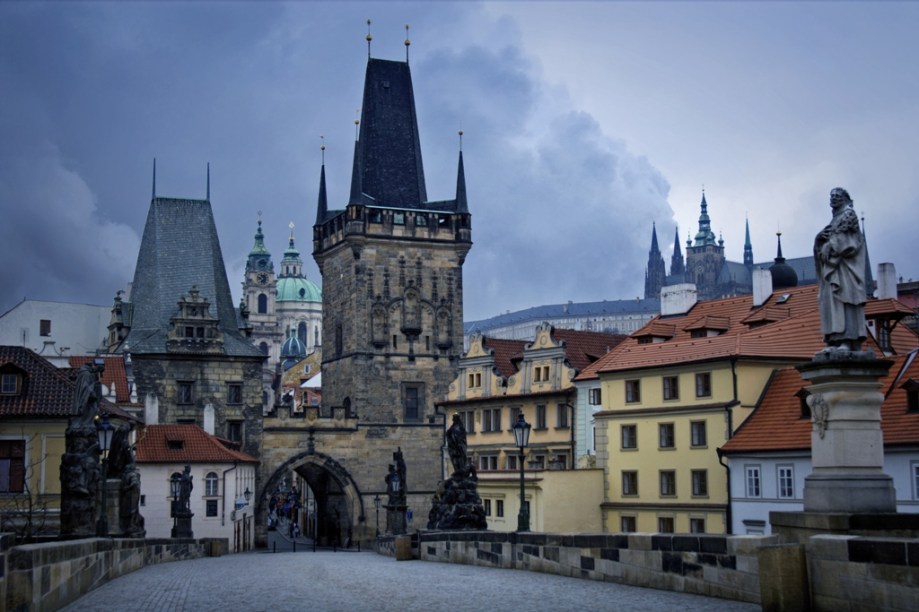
column 762, row 286
column 887, row 281
column 678, row 299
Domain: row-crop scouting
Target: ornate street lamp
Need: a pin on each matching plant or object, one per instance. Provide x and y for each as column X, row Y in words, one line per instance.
column 376, row 505
column 247, row 494
column 522, row 438
column 174, row 489
column 104, row 430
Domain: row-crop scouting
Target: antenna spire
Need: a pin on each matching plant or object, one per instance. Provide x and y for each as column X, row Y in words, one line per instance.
column 154, row 178
column 369, row 38
column 357, row 122
column 208, row 181
column 461, row 139
column 322, row 147
column 407, row 43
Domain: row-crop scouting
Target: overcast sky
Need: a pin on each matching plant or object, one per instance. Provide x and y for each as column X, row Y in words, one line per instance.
column 584, row 123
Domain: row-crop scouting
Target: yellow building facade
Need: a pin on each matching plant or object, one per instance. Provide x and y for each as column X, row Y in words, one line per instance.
column 675, row 392
column 497, row 381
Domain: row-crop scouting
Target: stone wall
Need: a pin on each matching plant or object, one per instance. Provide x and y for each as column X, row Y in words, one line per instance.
column 49, row 576
column 712, row 565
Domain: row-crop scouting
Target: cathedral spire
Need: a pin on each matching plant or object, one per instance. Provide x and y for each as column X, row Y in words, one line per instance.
column 676, row 260
column 655, row 273
column 748, row 249
column 259, row 257
column 705, row 236
column 654, row 247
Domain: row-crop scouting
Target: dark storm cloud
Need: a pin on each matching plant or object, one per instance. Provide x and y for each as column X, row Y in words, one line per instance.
column 98, row 90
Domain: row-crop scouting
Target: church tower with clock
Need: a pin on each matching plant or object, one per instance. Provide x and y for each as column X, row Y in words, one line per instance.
column 260, row 298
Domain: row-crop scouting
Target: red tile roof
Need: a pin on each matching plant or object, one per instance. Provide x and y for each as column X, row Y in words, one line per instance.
column 47, row 391
column 184, row 444
column 776, row 423
column 789, row 330
column 584, row 347
column 114, row 373
column 505, row 353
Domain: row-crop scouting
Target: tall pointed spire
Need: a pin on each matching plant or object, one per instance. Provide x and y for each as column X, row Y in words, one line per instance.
column 705, row 235
column 408, row 43
column 748, row 248
column 461, row 205
column 654, row 247
column 153, row 197
column 655, row 273
column 783, row 275
column 369, row 38
column 676, row 260
column 322, row 206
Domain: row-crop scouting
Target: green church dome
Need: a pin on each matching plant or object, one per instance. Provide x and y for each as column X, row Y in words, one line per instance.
column 298, row 289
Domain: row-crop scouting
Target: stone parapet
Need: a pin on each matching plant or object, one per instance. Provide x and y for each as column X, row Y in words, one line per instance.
column 48, row 576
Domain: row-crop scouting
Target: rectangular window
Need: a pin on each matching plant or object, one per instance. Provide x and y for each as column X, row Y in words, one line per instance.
column 9, row 384
column 44, row 327
column 487, row 504
column 412, row 400
column 704, row 384
column 665, row 524
column 499, row 507
column 537, row 462
column 786, row 478
column 212, row 507
column 632, row 391
column 12, row 466
column 235, row 431
column 627, row 524
column 630, row 483
column 541, row 416
column 234, row 393
column 668, row 483
column 488, row 462
column 537, row 373
column 398, row 218
column 700, row 483
column 561, row 412
column 629, row 436
column 595, row 397
column 475, row 380
column 468, row 419
column 559, row 461
column 696, row 525
column 491, row 419
column 753, row 481
column 186, row 392
column 513, row 461
column 665, row 435
column 698, row 437
column 671, row 388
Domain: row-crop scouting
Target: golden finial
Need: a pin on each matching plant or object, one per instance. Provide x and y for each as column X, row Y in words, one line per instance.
column 322, row 147
column 461, row 138
column 357, row 122
column 369, row 38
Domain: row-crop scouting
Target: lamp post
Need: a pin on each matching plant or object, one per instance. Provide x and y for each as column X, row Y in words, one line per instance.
column 248, row 495
column 522, row 437
column 376, row 505
column 104, row 430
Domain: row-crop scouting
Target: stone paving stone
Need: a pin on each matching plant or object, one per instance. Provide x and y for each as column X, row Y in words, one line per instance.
column 352, row 581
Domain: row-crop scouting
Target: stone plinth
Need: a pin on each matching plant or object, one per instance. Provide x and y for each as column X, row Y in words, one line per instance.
column 847, row 445
column 182, row 527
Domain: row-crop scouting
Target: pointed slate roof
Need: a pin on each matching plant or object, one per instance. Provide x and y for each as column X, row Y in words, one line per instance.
column 180, row 249
column 390, row 167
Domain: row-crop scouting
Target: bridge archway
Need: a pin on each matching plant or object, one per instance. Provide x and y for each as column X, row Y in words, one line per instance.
column 339, row 510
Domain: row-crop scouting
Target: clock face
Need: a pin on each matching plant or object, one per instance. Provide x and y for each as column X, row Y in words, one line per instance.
column 262, row 278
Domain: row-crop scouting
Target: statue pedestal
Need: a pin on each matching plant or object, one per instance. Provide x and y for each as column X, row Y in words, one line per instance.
column 395, row 519
column 182, row 527
column 847, row 446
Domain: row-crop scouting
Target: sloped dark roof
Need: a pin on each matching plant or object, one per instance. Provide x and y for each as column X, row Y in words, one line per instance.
column 584, row 347
column 506, row 352
column 390, row 166
column 180, row 249
column 47, row 391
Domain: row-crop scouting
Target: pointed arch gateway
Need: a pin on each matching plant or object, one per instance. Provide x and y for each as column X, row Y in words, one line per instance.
column 338, row 509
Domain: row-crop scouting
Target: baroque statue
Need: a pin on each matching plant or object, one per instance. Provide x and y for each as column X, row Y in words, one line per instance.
column 839, row 256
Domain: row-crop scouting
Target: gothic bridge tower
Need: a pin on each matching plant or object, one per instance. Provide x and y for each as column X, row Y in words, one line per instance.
column 392, row 314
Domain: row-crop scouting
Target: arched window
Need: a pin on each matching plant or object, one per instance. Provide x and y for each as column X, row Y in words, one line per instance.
column 264, row 347
column 210, row 484
column 262, row 303
column 301, row 333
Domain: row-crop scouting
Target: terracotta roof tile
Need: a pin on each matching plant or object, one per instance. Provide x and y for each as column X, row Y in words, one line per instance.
column 184, row 444
column 48, row 390
column 584, row 347
column 787, row 331
column 712, row 322
column 776, row 423
column 505, row 352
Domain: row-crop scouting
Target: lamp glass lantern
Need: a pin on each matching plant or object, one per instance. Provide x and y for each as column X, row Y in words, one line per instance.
column 247, row 494
column 522, row 438
column 104, row 432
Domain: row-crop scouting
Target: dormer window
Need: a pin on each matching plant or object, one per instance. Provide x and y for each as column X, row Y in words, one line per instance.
column 10, row 384
column 175, row 444
column 802, row 396
column 911, row 387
